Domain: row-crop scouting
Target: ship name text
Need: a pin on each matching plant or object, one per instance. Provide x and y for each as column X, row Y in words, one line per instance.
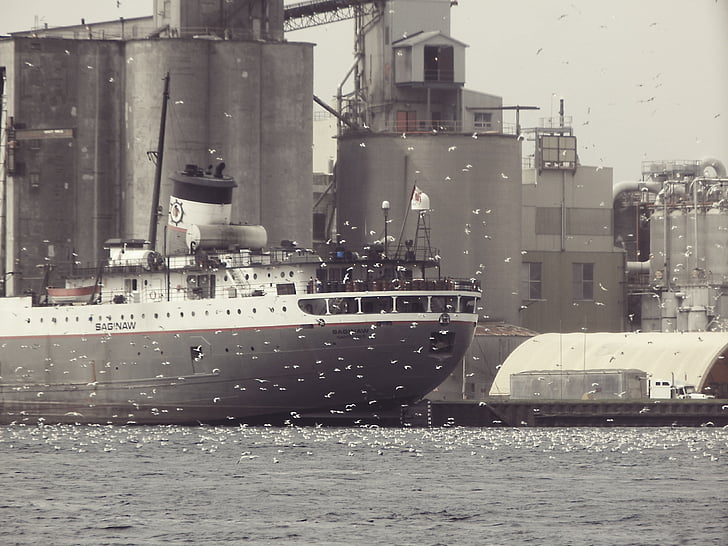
column 114, row 326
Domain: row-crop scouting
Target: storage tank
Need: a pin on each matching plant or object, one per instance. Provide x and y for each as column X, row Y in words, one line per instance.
column 247, row 103
column 677, row 246
column 474, row 187
column 658, row 255
column 716, row 245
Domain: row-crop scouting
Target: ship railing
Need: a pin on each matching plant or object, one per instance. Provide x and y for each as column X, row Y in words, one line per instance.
column 449, row 284
column 179, row 292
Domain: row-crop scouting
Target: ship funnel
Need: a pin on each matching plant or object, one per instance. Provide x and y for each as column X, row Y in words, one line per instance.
column 197, row 199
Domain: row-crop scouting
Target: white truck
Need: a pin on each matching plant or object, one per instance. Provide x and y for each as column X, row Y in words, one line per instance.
column 664, row 389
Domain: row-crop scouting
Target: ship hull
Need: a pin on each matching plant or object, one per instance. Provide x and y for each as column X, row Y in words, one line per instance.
column 216, row 362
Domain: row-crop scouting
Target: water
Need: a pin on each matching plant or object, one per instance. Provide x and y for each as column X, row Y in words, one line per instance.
column 213, row 485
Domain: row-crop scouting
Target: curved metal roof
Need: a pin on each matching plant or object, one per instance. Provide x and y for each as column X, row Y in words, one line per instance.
column 691, row 358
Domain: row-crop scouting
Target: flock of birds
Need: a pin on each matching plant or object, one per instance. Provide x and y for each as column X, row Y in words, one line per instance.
column 268, row 444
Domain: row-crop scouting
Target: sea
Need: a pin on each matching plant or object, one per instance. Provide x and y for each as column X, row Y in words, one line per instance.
column 93, row 485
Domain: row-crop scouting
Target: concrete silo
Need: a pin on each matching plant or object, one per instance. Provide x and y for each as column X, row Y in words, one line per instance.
column 474, row 189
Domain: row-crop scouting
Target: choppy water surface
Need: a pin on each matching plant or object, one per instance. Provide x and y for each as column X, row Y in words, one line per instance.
column 210, row 485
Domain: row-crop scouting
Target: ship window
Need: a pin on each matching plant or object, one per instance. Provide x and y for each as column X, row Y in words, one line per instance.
column 285, row 288
column 467, row 305
column 377, row 304
column 313, row 306
column 343, row 306
column 411, row 304
column 290, row 274
column 444, row 304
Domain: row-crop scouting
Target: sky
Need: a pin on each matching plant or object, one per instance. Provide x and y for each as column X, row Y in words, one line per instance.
column 643, row 80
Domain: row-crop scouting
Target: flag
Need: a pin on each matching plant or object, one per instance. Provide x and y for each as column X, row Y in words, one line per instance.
column 420, row 200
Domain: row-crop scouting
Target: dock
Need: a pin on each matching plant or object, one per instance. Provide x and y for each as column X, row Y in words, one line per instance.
column 570, row 413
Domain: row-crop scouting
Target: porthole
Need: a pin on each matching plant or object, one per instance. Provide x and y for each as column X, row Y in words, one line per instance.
column 254, row 310
column 192, row 313
column 228, row 311
column 181, row 314
column 247, row 277
column 284, row 309
column 283, row 274
column 156, row 315
column 290, row 274
column 240, row 311
column 168, row 315
column 255, row 275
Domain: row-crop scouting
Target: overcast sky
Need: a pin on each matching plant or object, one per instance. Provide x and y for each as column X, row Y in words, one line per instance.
column 642, row 79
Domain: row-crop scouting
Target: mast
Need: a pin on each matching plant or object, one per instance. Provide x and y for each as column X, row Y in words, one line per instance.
column 155, row 213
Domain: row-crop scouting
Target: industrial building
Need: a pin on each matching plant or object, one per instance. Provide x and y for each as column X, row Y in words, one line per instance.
column 81, row 115
column 673, row 226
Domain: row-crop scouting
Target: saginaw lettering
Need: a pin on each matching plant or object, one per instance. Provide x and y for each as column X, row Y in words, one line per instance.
column 111, row 326
column 350, row 331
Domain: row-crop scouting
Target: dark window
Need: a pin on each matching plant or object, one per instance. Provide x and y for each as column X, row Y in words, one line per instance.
column 319, row 226
column 583, row 281
column 342, row 306
column 411, row 304
column 286, row 288
column 313, row 306
column 439, row 63
column 531, row 281
column 444, row 304
column 376, row 304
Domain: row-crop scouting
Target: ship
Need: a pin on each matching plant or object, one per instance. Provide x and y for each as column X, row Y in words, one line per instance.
column 220, row 328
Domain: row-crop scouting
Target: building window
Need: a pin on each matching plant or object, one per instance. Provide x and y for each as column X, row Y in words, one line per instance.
column 583, row 281
column 482, row 120
column 531, row 281
column 439, row 63
column 319, row 226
